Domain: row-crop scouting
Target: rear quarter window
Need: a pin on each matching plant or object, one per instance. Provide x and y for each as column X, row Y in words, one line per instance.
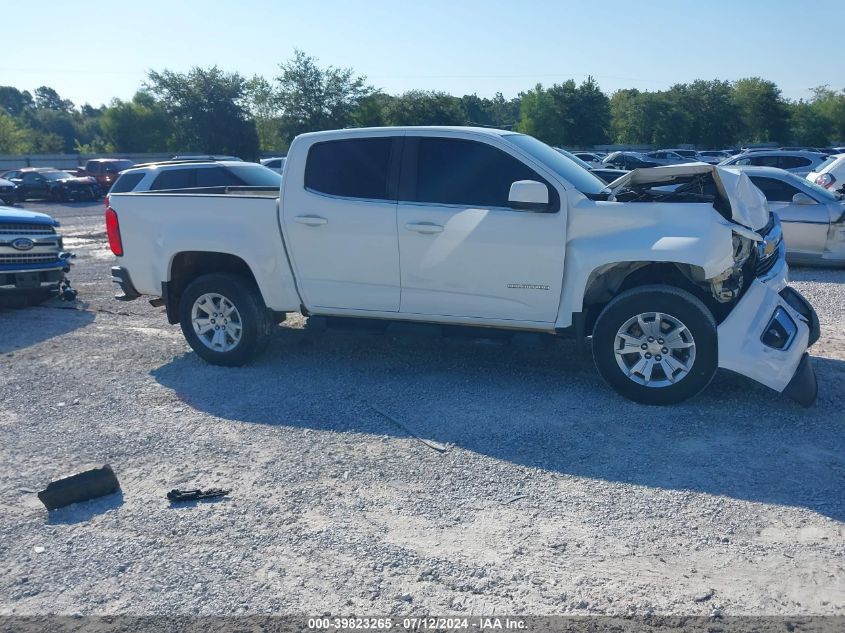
column 793, row 162
column 127, row 182
column 351, row 168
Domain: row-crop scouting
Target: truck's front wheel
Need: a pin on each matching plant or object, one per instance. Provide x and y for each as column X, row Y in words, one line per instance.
column 656, row 344
column 223, row 318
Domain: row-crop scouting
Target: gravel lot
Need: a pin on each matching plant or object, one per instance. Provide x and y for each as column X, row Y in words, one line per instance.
column 552, row 496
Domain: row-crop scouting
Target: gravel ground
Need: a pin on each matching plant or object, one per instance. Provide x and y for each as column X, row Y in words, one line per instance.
column 551, row 495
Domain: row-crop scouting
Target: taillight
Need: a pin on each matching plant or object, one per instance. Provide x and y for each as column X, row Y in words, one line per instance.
column 826, row 180
column 113, row 231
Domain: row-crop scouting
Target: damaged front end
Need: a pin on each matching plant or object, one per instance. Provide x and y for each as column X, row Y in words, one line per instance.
column 766, row 326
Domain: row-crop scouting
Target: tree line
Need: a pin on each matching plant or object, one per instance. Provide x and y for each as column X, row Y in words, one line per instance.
column 209, row 110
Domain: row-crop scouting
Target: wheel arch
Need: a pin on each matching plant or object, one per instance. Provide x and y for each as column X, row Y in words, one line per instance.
column 185, row 266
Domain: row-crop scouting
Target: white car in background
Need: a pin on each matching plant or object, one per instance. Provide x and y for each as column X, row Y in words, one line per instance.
column 830, row 174
column 190, row 175
column 713, row 156
column 593, row 160
column 670, row 157
column 276, row 164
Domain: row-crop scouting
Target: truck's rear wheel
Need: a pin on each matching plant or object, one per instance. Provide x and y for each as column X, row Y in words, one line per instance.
column 223, row 318
column 656, row 345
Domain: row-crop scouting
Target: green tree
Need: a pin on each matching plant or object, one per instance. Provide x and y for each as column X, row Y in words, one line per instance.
column 14, row 138
column 209, row 110
column 47, row 98
column 140, row 125
column 539, row 116
column 762, row 110
column 421, row 107
column 14, row 101
column 313, row 98
column 265, row 109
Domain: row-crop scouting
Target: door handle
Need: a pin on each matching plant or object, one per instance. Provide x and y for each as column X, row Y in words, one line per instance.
column 424, row 227
column 311, row 220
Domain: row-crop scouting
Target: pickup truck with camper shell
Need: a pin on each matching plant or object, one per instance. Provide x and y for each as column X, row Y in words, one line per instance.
column 481, row 227
column 33, row 262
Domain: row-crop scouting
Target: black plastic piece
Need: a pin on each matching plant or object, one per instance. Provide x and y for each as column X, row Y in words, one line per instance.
column 803, row 387
column 80, row 487
column 171, row 307
column 176, row 495
column 125, row 282
column 798, row 303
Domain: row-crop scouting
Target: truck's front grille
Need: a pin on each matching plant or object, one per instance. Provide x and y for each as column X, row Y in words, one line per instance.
column 29, row 258
column 8, row 228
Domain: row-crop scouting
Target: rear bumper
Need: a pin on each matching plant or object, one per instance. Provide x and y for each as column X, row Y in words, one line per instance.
column 120, row 276
column 744, row 348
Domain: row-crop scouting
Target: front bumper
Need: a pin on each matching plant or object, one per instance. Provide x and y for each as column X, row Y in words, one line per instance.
column 743, row 347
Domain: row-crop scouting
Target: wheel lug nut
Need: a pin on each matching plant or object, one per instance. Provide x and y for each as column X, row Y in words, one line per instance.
column 665, row 351
column 651, row 339
column 648, row 355
column 643, row 346
column 660, row 340
column 658, row 357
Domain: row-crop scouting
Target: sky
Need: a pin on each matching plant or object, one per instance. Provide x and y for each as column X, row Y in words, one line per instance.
column 457, row 46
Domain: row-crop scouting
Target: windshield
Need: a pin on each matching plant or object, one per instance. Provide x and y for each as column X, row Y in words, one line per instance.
column 56, row 175
column 120, row 165
column 566, row 168
column 256, row 175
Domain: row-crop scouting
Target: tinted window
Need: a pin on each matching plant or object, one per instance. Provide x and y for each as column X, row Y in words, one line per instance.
column 774, row 190
column 765, row 161
column 127, row 182
column 791, row 162
column 582, row 179
column 256, row 175
column 216, row 177
column 354, row 168
column 174, row 179
column 454, row 171
column 93, row 167
column 31, row 178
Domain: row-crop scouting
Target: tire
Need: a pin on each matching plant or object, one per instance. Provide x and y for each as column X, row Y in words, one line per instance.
column 653, row 376
column 231, row 347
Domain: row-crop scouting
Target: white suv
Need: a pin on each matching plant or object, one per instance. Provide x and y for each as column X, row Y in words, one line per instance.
column 193, row 175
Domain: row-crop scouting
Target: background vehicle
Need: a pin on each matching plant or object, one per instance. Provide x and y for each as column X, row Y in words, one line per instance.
column 627, row 160
column 8, row 191
column 205, row 157
column 669, row 157
column 830, row 174
column 713, row 156
column 800, row 163
column 104, row 170
column 276, row 164
column 48, row 183
column 813, row 218
column 606, row 174
column 593, row 160
column 187, row 175
column 671, row 285
column 32, row 258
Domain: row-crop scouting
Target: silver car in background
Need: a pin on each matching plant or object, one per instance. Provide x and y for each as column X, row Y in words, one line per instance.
column 800, row 163
column 812, row 218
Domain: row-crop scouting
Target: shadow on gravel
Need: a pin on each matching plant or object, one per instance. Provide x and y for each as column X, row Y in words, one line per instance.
column 85, row 511
column 534, row 404
column 27, row 326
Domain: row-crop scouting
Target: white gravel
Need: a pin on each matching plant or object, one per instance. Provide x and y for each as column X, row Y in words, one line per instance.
column 553, row 495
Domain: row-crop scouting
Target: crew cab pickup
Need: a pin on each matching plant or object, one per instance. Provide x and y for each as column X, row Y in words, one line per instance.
column 673, row 271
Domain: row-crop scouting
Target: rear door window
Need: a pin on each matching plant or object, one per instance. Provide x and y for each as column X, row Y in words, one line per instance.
column 793, row 162
column 351, row 168
column 216, row 177
column 765, row 161
column 174, row 179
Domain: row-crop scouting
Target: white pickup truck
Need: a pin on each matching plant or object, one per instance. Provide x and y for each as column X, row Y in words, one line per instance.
column 487, row 228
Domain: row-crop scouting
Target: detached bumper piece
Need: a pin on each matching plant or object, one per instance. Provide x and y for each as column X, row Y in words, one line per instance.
column 798, row 303
column 120, row 276
column 803, row 387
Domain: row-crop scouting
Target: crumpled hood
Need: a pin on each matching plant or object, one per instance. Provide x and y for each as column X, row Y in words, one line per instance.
column 8, row 214
column 748, row 204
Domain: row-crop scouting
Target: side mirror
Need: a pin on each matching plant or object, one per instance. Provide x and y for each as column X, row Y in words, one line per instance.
column 529, row 195
column 802, row 199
